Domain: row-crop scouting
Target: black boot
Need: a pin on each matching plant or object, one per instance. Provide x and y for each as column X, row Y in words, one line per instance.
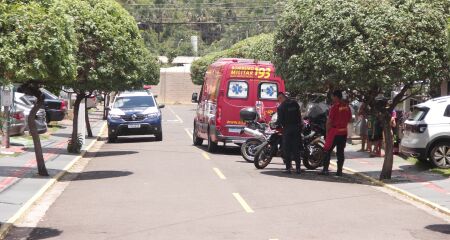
column 298, row 170
column 326, row 164
column 339, row 170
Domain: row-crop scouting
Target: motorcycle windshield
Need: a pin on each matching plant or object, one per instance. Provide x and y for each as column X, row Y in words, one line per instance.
column 316, row 110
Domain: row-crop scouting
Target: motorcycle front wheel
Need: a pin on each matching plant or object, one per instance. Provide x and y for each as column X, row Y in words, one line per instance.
column 314, row 156
column 248, row 149
column 263, row 156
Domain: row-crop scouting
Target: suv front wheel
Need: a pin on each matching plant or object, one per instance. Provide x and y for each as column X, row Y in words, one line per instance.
column 440, row 155
column 159, row 136
column 112, row 138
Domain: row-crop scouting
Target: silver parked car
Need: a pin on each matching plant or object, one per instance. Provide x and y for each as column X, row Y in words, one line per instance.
column 17, row 124
column 22, row 103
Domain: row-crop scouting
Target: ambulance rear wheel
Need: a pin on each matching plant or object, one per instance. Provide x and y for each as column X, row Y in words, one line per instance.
column 197, row 141
column 212, row 146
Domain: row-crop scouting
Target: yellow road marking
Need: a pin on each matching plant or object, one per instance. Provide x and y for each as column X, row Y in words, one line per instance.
column 205, row 155
column 219, row 173
column 243, row 203
column 188, row 133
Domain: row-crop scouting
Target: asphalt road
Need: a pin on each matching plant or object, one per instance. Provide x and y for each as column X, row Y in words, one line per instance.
column 142, row 189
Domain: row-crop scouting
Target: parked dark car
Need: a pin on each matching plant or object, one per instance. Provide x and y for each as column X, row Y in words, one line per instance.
column 55, row 108
column 21, row 103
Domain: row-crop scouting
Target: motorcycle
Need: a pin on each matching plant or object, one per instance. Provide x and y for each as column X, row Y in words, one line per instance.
column 311, row 148
column 248, row 148
column 253, row 128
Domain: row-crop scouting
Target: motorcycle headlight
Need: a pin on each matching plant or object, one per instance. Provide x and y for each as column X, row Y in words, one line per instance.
column 114, row 116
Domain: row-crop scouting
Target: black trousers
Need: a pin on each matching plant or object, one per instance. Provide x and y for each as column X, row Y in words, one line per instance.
column 339, row 142
column 291, row 146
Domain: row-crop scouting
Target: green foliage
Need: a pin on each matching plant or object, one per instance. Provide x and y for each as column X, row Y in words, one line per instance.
column 200, row 66
column 111, row 54
column 218, row 23
column 36, row 44
column 258, row 47
column 75, row 146
column 369, row 46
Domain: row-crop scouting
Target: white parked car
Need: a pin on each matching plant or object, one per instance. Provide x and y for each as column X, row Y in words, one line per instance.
column 427, row 132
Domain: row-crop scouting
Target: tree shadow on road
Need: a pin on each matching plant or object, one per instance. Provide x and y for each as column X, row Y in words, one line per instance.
column 272, row 163
column 94, row 175
column 442, row 228
column 314, row 176
column 31, row 172
column 101, row 154
column 29, row 233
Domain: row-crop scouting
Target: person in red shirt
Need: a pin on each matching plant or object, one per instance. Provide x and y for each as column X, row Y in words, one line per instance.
column 338, row 119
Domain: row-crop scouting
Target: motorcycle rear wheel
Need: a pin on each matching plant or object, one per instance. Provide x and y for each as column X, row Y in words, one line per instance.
column 248, row 151
column 263, row 157
column 314, row 158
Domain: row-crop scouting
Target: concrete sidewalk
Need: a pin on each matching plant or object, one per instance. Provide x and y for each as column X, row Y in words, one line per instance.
column 429, row 188
column 19, row 181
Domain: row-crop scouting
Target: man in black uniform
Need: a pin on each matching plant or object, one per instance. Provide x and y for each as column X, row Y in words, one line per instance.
column 289, row 117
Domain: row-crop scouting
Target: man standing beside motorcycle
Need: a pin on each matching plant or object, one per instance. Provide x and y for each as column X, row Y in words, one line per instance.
column 289, row 118
column 338, row 119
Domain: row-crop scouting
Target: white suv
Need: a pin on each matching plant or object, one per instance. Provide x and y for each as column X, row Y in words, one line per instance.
column 427, row 132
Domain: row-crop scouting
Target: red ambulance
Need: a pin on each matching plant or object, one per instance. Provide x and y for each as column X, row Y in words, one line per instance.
column 230, row 85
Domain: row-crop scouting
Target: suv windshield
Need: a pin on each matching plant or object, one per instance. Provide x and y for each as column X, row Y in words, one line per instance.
column 418, row 114
column 134, row 102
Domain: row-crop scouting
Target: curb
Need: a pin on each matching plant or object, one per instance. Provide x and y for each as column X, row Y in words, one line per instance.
column 407, row 194
column 4, row 229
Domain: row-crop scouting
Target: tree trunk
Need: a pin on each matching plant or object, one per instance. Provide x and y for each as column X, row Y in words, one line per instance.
column 86, row 119
column 386, row 171
column 42, row 170
column 76, row 109
column 6, row 125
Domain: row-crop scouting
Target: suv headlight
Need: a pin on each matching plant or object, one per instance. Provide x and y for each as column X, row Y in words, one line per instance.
column 153, row 115
column 114, row 116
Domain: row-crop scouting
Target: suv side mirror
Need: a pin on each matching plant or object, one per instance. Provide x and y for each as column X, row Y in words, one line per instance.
column 194, row 97
column 161, row 106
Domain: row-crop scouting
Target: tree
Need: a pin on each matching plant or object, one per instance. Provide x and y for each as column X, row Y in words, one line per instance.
column 36, row 46
column 369, row 48
column 219, row 24
column 258, row 47
column 110, row 55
